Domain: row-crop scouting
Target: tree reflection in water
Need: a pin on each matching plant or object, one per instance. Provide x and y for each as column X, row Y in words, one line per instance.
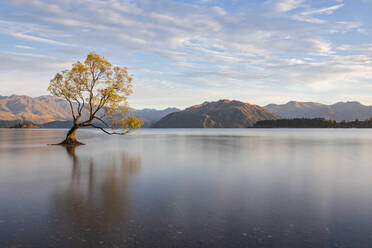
column 93, row 208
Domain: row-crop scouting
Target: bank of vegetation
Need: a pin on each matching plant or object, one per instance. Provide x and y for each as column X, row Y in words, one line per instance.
column 312, row 123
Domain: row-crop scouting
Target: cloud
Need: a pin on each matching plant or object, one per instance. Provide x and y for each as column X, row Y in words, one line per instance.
column 36, row 39
column 23, row 31
column 308, row 15
column 288, row 5
column 335, row 73
column 31, row 62
column 160, row 28
column 327, row 10
column 24, row 47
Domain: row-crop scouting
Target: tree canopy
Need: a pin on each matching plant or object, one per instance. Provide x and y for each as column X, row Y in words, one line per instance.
column 97, row 94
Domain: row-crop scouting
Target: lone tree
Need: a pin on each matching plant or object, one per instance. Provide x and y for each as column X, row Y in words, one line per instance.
column 97, row 95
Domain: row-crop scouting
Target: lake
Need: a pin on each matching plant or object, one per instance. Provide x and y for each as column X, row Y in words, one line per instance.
column 187, row 188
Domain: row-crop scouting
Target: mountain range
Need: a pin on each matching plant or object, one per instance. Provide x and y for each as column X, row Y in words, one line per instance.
column 38, row 110
column 151, row 116
column 49, row 111
column 220, row 114
column 341, row 111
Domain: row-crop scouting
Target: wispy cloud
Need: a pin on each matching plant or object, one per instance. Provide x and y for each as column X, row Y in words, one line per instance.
column 288, row 5
column 308, row 15
column 24, row 31
column 36, row 39
column 327, row 10
column 24, row 47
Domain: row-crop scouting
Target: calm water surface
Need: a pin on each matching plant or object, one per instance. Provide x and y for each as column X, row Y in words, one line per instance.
column 187, row 188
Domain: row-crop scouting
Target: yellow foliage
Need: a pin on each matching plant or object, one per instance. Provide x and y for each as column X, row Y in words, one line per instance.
column 97, row 88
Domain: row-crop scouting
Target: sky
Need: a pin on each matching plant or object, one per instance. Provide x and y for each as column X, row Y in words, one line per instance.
column 185, row 52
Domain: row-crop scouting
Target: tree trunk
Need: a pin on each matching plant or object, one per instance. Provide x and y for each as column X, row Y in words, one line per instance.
column 70, row 137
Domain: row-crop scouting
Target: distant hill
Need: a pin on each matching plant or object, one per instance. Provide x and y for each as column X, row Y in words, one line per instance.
column 57, row 124
column 150, row 116
column 220, row 114
column 8, row 124
column 50, row 111
column 37, row 110
column 340, row 111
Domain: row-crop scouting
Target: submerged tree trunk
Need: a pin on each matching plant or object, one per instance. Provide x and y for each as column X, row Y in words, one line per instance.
column 71, row 138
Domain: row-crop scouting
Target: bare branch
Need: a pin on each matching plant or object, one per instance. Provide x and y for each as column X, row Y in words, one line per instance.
column 78, row 107
column 82, row 105
column 71, row 106
column 100, row 119
column 110, row 133
column 100, row 105
column 90, row 102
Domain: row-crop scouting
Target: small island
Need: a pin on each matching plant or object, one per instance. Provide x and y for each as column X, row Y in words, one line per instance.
column 25, row 125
